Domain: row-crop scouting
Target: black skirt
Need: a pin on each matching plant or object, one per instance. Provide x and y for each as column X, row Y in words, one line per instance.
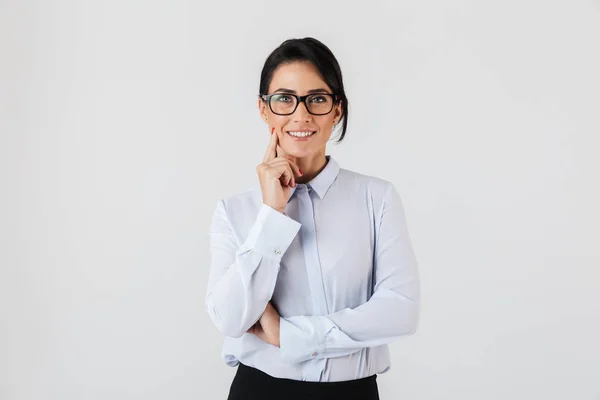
column 252, row 384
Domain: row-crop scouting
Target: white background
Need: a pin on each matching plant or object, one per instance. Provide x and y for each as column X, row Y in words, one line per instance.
column 122, row 122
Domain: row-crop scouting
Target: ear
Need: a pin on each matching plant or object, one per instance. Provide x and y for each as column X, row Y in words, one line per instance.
column 337, row 111
column 262, row 109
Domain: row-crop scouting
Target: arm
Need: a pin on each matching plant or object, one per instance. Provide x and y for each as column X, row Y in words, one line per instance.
column 242, row 277
column 391, row 312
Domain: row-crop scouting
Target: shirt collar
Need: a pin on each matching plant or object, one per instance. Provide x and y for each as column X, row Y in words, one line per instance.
column 322, row 182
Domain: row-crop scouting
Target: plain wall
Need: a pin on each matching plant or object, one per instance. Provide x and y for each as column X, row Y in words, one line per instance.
column 122, row 122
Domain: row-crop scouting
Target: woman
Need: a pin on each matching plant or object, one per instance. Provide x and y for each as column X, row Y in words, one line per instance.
column 312, row 271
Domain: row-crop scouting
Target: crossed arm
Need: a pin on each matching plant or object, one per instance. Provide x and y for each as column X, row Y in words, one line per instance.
column 242, row 280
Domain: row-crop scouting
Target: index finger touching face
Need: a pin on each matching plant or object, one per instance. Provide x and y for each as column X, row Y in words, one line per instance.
column 271, row 152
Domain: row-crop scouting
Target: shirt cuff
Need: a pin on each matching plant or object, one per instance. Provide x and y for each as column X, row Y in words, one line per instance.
column 303, row 338
column 272, row 233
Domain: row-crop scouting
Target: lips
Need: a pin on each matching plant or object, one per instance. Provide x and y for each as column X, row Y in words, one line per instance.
column 301, row 133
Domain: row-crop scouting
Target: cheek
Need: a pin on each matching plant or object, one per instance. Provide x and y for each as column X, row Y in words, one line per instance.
column 326, row 123
column 276, row 121
column 280, row 122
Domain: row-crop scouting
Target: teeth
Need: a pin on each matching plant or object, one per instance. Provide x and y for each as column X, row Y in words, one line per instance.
column 300, row 134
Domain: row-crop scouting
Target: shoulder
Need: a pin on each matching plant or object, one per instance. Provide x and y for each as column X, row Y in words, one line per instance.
column 248, row 195
column 374, row 185
column 380, row 195
column 244, row 202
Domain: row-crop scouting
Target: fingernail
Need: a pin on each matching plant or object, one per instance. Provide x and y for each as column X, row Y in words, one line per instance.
column 299, row 170
column 272, row 130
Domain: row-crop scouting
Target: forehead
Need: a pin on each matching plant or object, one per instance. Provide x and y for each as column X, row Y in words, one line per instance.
column 300, row 76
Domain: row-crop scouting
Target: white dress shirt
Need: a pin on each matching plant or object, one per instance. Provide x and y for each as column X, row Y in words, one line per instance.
column 338, row 265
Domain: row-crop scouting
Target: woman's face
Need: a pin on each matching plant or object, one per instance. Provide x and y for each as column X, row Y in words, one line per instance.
column 300, row 78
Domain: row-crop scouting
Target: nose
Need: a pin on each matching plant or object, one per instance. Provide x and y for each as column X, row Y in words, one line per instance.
column 301, row 113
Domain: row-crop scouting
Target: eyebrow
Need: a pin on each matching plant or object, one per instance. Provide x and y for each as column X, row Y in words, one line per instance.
column 320, row 90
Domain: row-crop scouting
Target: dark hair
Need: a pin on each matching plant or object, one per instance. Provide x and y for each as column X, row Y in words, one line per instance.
column 315, row 52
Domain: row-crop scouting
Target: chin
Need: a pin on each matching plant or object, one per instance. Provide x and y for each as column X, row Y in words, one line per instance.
column 303, row 149
column 298, row 153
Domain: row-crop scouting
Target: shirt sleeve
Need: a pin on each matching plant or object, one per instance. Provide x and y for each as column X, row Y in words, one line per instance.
column 391, row 312
column 242, row 276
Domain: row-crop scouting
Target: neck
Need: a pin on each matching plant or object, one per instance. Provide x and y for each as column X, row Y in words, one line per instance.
column 310, row 166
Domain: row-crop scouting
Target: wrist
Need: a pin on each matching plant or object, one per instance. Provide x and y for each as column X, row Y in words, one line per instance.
column 281, row 210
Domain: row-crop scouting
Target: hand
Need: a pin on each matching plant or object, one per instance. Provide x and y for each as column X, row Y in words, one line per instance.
column 267, row 327
column 277, row 175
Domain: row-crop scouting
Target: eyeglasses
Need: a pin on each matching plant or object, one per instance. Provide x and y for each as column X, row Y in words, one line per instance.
column 286, row 103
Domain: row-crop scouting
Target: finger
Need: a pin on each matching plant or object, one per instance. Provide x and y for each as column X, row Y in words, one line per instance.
column 284, row 172
column 271, row 152
column 295, row 168
column 281, row 167
column 292, row 161
column 293, row 181
column 279, row 151
column 288, row 176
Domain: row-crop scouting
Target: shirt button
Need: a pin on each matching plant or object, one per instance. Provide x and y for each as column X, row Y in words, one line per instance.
column 314, row 354
column 277, row 252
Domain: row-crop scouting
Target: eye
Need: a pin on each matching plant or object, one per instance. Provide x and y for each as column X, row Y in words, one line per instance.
column 282, row 98
column 318, row 99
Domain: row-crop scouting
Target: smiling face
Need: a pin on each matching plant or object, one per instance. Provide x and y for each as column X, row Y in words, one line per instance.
column 301, row 134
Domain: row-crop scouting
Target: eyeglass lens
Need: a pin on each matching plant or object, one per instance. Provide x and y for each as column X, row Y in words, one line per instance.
column 316, row 103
